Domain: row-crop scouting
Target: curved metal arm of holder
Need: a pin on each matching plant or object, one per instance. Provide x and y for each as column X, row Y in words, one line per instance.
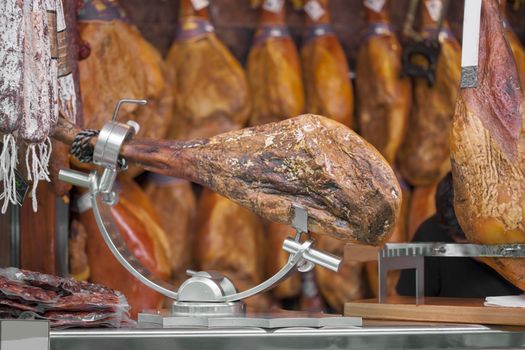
column 102, row 197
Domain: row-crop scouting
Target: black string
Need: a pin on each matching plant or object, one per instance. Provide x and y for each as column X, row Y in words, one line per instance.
column 83, row 150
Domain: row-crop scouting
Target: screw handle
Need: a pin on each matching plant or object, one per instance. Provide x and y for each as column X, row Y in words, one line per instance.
column 123, row 101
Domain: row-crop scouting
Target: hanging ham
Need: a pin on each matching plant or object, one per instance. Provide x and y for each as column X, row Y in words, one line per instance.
column 488, row 149
column 424, row 156
column 349, row 283
column 209, row 86
column 122, row 64
column 139, row 226
column 175, row 204
column 229, row 240
column 384, row 97
column 515, row 44
column 325, row 69
column 274, row 69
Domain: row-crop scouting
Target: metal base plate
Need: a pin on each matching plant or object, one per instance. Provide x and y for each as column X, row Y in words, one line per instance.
column 203, row 309
column 283, row 319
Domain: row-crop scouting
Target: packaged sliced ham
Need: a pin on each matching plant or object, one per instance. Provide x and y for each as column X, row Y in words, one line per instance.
column 325, row 69
column 64, row 302
column 274, row 69
column 424, row 157
column 209, row 86
column 384, row 97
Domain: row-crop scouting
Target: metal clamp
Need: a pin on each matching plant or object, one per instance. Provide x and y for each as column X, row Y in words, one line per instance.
column 204, row 292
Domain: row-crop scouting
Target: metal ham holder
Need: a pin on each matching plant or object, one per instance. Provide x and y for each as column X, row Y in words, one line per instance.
column 206, row 295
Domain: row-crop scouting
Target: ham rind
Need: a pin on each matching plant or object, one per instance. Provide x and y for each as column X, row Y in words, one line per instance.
column 488, row 149
column 347, row 187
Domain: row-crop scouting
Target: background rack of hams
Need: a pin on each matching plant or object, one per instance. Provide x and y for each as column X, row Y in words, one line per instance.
column 208, row 67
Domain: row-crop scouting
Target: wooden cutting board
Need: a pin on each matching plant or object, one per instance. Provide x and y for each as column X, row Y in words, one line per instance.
column 460, row 310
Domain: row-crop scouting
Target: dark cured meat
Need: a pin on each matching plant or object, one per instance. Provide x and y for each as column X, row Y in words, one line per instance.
column 488, row 149
column 349, row 190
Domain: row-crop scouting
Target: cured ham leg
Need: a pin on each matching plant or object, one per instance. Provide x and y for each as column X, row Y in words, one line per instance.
column 325, row 69
column 209, row 86
column 274, row 69
column 347, row 187
column 488, row 149
column 515, row 44
column 424, row 157
column 384, row 98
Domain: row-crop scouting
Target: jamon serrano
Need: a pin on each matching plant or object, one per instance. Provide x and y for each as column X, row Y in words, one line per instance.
column 488, row 149
column 239, row 255
column 140, row 228
column 175, row 204
column 274, row 69
column 515, row 44
column 384, row 98
column 122, row 64
column 209, row 86
column 325, row 70
column 349, row 283
column 347, row 187
column 424, row 157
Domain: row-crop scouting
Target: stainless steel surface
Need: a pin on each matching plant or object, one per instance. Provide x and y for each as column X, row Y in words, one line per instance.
column 401, row 263
column 326, row 260
column 62, row 237
column 278, row 320
column 24, row 335
column 452, row 250
column 76, row 178
column 213, row 309
column 300, row 219
column 376, row 336
column 205, row 286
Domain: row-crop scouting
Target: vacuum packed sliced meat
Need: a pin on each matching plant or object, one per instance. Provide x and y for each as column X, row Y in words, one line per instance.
column 488, row 149
column 384, row 98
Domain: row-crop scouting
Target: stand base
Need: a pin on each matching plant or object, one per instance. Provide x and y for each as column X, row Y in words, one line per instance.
column 273, row 320
column 204, row 309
